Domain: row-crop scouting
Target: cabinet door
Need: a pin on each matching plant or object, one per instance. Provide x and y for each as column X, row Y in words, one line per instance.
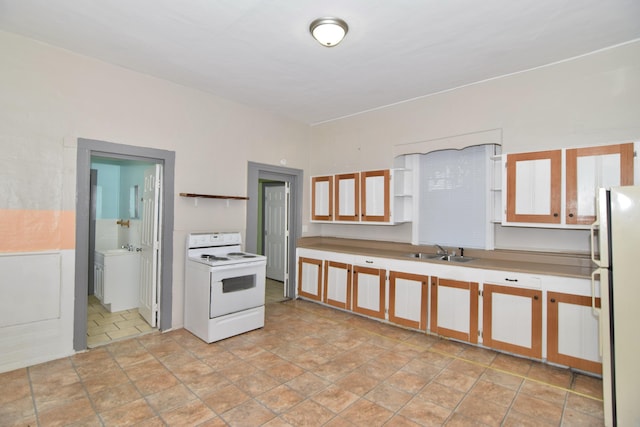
column 572, row 332
column 309, row 278
column 337, row 284
column 454, row 309
column 591, row 168
column 534, row 187
column 408, row 299
column 512, row 319
column 369, row 291
column 347, row 196
column 376, row 193
column 322, row 198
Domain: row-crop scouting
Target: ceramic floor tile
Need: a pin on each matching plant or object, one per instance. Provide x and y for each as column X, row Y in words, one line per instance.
column 307, row 413
column 493, row 392
column 190, row 414
column 225, row 398
column 132, row 413
column 539, row 409
column 309, row 365
column 441, row 395
column 420, row 411
column 388, row 397
column 280, row 399
column 481, row 410
column 249, row 413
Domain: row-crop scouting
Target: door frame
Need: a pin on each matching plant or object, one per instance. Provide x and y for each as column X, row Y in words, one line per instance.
column 86, row 149
column 256, row 172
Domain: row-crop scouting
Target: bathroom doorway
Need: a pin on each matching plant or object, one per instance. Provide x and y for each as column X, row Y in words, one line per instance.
column 123, row 254
column 133, row 161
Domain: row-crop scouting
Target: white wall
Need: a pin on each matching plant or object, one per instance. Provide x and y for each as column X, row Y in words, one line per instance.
column 589, row 100
column 51, row 97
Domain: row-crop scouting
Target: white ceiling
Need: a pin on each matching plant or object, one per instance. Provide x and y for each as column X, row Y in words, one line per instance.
column 260, row 52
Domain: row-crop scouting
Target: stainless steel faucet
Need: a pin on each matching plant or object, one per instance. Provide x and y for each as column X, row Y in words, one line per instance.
column 442, row 250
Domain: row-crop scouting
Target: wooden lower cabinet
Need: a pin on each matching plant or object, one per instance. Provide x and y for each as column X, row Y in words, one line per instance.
column 454, row 309
column 369, row 291
column 408, row 299
column 310, row 278
column 337, row 284
column 512, row 319
column 572, row 332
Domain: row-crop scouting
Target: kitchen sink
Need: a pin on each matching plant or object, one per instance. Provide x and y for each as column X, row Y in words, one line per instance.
column 458, row 258
column 424, row 256
column 440, row 257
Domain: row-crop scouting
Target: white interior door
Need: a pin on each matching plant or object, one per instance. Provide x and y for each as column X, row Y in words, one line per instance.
column 275, row 230
column 149, row 242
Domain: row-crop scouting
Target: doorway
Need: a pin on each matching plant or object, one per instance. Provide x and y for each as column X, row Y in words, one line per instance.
column 163, row 268
column 292, row 209
column 123, row 237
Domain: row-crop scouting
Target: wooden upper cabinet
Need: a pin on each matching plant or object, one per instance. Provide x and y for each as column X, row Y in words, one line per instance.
column 534, row 187
column 376, row 193
column 322, row 198
column 589, row 169
column 347, row 197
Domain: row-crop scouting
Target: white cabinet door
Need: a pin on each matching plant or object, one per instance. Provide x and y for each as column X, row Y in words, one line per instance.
column 512, row 319
column 591, row 168
column 572, row 332
column 454, row 309
column 322, row 198
column 376, row 194
column 534, row 187
column 369, row 291
column 408, row 299
column 347, row 197
column 337, row 284
column 310, row 278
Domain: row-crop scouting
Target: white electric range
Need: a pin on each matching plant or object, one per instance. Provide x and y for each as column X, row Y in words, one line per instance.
column 224, row 286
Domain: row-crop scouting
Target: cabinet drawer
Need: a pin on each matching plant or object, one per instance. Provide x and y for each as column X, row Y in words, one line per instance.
column 518, row 280
column 368, row 261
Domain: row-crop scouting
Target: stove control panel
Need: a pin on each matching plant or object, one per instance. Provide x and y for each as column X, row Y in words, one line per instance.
column 199, row 240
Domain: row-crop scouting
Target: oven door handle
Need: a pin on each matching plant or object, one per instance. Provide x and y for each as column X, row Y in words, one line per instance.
column 237, row 266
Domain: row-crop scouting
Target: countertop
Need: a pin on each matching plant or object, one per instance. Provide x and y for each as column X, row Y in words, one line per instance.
column 553, row 264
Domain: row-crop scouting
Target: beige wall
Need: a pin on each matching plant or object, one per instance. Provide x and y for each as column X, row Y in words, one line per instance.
column 50, row 98
column 590, row 100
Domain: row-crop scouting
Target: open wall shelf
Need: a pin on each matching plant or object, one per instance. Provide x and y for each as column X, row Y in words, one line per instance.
column 212, row 196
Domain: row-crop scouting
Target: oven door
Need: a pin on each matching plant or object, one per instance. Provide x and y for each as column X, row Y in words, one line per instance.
column 236, row 287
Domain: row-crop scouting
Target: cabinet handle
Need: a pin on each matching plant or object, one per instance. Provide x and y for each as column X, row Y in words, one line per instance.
column 369, row 262
column 555, row 214
column 553, row 300
column 570, row 215
column 535, row 297
column 511, row 280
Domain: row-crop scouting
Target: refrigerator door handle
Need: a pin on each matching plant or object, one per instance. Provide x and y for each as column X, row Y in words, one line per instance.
column 594, row 309
column 595, row 226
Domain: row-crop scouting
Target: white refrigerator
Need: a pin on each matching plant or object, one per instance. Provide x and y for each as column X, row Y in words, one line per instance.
column 617, row 229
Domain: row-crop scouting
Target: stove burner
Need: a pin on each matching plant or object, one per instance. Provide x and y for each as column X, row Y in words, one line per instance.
column 213, row 257
column 235, row 254
column 248, row 256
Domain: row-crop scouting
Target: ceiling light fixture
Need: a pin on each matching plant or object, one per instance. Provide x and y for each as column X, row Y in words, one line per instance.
column 328, row 31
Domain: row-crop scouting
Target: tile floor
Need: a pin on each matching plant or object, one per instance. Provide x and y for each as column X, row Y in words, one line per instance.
column 309, row 366
column 104, row 327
